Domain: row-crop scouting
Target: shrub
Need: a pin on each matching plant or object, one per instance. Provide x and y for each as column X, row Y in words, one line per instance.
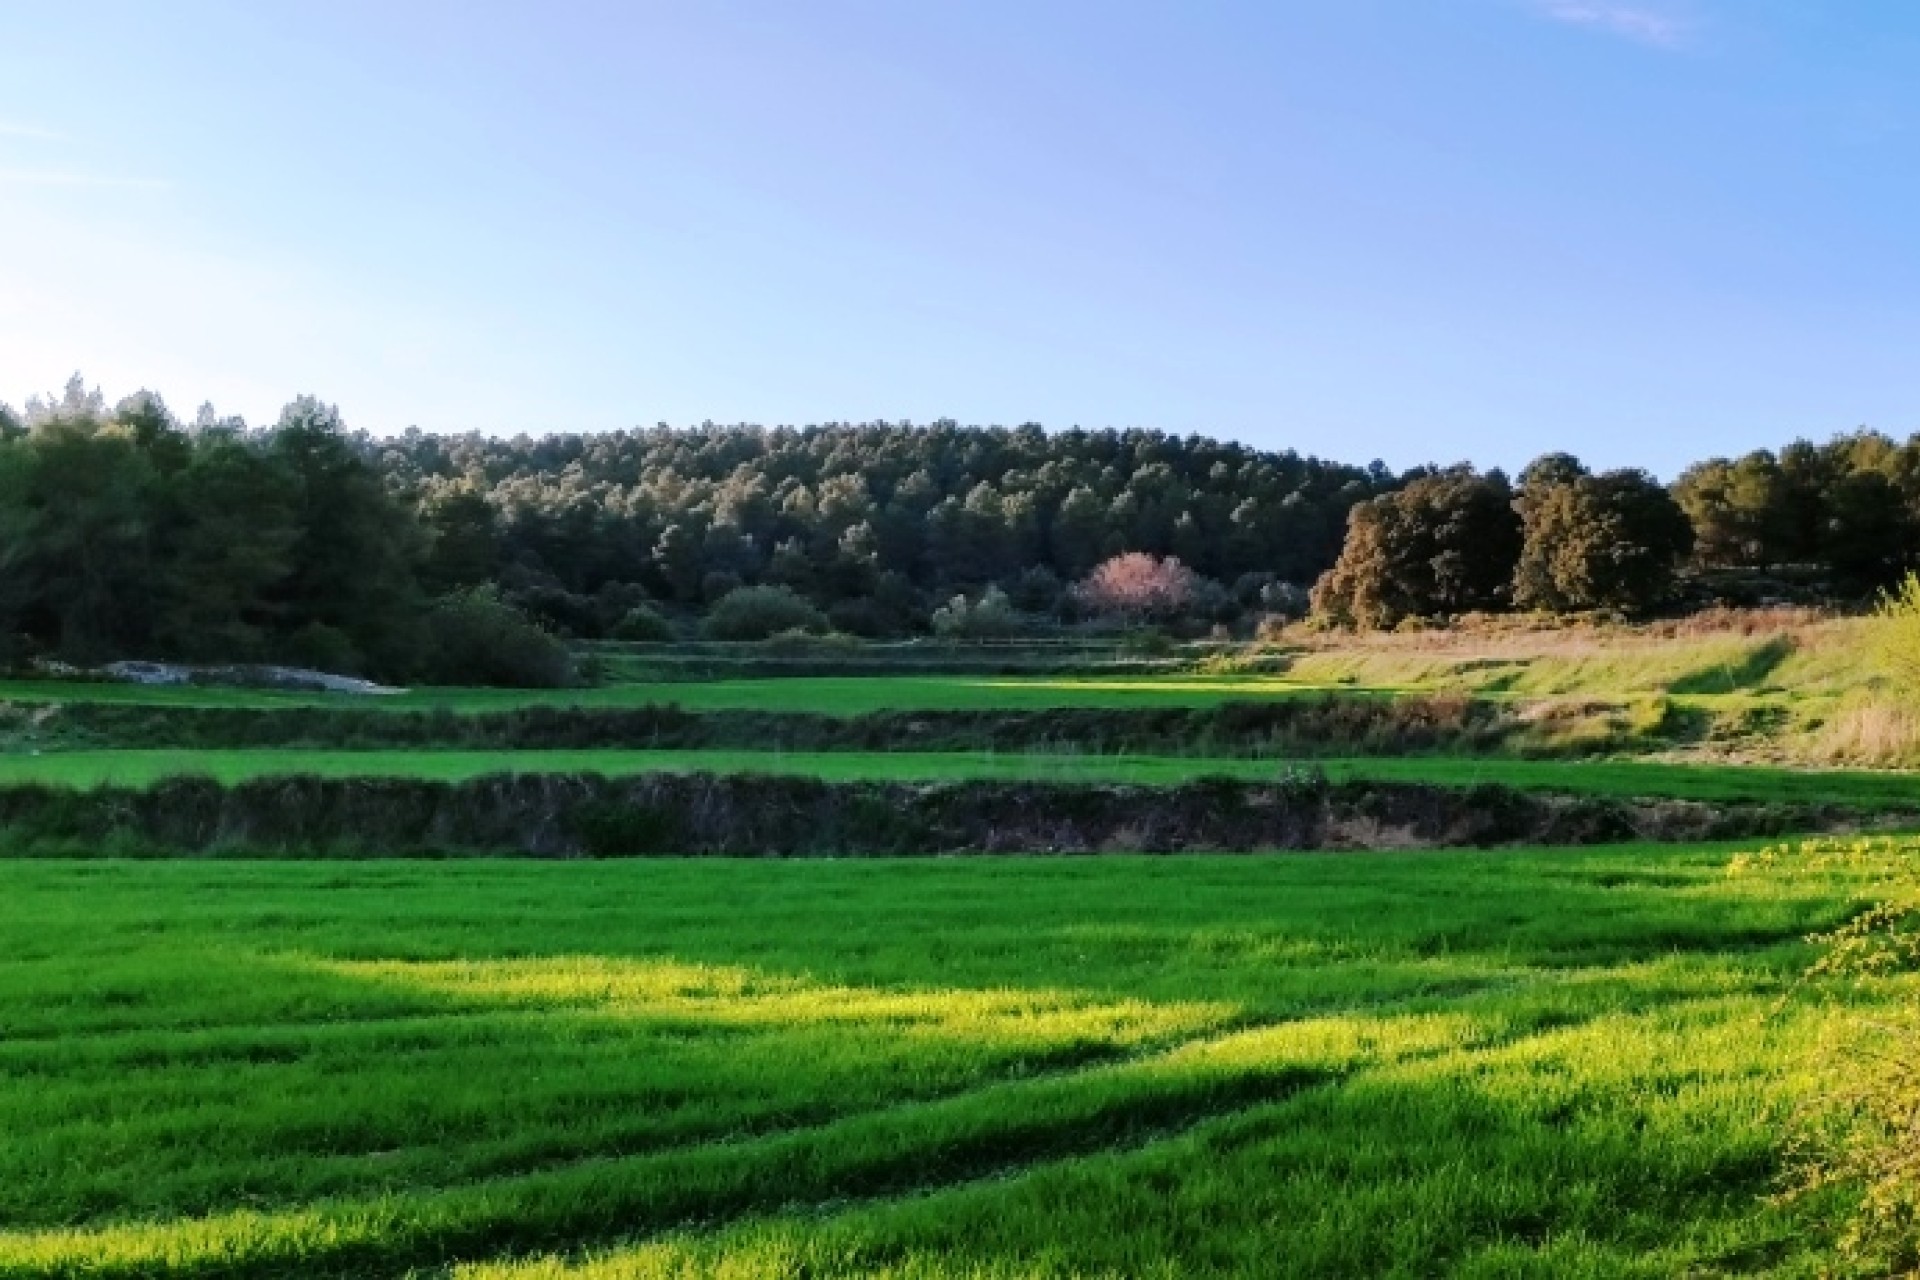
column 556, row 609
column 991, row 617
column 823, row 644
column 643, row 623
column 477, row 638
column 323, row 648
column 759, row 613
column 1861, row 1132
column 613, row 602
column 1894, row 637
column 1270, row 628
column 718, row 584
column 866, row 617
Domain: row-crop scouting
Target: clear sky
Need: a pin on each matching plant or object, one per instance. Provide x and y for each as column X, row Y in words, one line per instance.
column 1419, row 230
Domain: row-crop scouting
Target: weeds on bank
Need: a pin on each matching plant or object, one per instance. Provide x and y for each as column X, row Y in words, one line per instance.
column 1859, row 1138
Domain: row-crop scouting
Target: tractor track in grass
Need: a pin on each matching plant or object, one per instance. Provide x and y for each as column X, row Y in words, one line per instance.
column 1539, row 1043
column 1046, row 1135
column 463, row 1222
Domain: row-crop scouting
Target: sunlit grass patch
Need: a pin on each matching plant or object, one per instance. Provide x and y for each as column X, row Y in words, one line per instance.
column 1549, row 1062
column 1561, row 1153
column 735, row 996
column 1709, row 783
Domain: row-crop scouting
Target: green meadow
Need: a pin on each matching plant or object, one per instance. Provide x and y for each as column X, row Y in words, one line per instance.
column 829, row 695
column 1544, row 1063
column 1855, row 789
column 1540, row 1062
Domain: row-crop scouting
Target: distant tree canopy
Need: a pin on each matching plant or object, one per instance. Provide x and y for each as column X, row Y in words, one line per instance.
column 121, row 533
column 908, row 515
column 1849, row 509
column 125, row 532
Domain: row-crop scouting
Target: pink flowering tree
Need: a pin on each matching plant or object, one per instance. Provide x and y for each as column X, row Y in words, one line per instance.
column 1140, row 585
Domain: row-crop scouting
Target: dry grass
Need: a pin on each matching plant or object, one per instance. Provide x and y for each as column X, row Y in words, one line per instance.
column 1538, row 634
column 1872, row 731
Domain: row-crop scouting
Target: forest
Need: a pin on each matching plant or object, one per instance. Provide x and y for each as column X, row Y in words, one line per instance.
column 126, row 532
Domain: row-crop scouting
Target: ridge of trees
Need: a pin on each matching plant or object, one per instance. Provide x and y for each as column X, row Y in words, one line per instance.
column 879, row 524
column 126, row 532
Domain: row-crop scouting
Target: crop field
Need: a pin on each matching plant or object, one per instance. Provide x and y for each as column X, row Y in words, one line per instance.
column 1790, row 674
column 1486, row 1062
column 832, row 695
column 1530, row 1063
column 1854, row 789
column 825, row 695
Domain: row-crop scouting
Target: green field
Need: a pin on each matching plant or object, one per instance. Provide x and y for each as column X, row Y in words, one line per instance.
column 827, row 695
column 1554, row 1063
column 1803, row 665
column 1475, row 1064
column 1712, row 783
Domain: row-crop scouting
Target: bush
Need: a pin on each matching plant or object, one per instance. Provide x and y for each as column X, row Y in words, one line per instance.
column 867, row 618
column 991, row 617
column 1860, row 1134
column 718, row 584
column 643, row 623
column 1895, row 638
column 320, row 647
column 795, row 642
column 614, row 601
column 476, row 638
column 759, row 613
column 557, row 609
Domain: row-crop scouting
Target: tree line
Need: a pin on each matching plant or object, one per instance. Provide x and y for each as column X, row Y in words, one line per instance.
column 879, row 525
column 1564, row 540
column 1833, row 522
column 126, row 534
column 125, row 531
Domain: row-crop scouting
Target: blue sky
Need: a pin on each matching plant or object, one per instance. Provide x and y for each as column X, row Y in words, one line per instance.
column 1427, row 230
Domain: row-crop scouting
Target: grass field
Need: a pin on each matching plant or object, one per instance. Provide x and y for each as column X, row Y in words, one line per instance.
column 1787, row 662
column 1348, row 675
column 1538, row 1063
column 829, row 695
column 1704, row 782
column 1551, row 1063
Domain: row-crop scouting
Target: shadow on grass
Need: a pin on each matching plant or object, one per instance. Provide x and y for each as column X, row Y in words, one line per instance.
column 782, row 1041
column 1749, row 671
column 1483, row 1164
